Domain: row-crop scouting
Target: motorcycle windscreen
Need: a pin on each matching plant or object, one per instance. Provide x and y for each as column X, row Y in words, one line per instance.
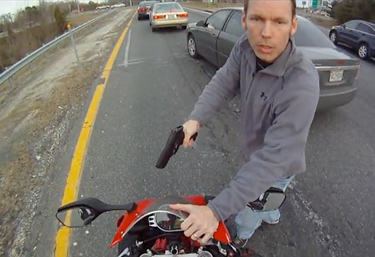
column 149, row 208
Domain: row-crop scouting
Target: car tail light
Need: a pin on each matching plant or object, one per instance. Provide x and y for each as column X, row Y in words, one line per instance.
column 341, row 62
column 157, row 16
column 183, row 15
column 139, row 9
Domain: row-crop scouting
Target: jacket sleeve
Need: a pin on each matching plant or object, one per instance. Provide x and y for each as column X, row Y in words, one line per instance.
column 283, row 151
column 223, row 86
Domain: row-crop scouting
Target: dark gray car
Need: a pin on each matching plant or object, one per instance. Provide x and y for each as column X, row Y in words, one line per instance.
column 214, row 38
column 357, row 34
column 144, row 9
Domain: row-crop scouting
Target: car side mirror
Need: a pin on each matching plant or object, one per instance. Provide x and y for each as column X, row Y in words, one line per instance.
column 344, row 26
column 271, row 200
column 210, row 26
column 201, row 23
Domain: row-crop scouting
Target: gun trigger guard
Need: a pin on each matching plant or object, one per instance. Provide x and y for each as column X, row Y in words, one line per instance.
column 175, row 149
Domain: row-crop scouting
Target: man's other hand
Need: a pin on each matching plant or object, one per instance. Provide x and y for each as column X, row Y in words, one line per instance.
column 201, row 223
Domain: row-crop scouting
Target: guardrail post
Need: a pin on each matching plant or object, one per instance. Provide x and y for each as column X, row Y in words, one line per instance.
column 74, row 46
column 31, row 67
column 11, row 81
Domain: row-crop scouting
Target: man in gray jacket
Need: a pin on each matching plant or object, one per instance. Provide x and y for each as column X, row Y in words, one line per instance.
column 279, row 92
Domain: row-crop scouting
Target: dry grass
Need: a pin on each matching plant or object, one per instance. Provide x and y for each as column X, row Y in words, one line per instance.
column 15, row 171
column 75, row 21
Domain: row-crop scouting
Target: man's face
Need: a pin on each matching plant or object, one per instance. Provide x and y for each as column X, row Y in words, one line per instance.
column 270, row 24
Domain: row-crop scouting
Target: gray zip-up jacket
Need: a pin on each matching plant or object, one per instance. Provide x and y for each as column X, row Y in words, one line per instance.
column 278, row 105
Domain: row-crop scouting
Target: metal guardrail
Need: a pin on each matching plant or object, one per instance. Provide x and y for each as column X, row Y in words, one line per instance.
column 10, row 72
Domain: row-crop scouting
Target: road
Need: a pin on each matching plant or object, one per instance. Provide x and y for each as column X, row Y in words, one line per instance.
column 153, row 87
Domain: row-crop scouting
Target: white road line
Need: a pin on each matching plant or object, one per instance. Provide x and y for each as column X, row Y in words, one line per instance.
column 135, row 62
column 127, row 49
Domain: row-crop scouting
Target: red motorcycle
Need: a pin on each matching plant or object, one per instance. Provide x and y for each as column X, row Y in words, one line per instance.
column 151, row 228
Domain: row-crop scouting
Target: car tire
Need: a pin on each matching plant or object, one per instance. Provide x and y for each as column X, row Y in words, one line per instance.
column 153, row 29
column 363, row 51
column 183, row 27
column 139, row 18
column 192, row 47
column 333, row 37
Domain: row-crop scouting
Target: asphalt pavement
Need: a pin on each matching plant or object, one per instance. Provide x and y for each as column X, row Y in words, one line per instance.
column 153, row 87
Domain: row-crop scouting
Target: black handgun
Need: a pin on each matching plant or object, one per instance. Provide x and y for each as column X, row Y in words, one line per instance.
column 175, row 139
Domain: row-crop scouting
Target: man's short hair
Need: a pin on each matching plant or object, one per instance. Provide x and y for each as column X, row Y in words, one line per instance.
column 246, row 5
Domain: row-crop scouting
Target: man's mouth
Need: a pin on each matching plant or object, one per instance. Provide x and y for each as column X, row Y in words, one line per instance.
column 265, row 48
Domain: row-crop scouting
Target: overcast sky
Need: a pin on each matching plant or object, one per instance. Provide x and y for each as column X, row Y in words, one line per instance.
column 12, row 6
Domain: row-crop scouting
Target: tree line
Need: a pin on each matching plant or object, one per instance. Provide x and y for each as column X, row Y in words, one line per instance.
column 346, row 10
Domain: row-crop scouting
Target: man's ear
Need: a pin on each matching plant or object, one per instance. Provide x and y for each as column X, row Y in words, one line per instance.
column 244, row 20
column 294, row 26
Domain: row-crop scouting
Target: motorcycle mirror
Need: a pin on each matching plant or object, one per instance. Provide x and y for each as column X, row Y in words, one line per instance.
column 82, row 212
column 271, row 200
column 77, row 216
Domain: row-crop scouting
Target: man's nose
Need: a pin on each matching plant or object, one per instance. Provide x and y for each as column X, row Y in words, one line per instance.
column 267, row 29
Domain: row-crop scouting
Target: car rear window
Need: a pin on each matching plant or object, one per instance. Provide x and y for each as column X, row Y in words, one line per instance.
column 170, row 7
column 309, row 35
column 143, row 4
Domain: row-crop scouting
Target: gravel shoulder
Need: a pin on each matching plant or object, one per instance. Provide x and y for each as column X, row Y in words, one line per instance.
column 36, row 116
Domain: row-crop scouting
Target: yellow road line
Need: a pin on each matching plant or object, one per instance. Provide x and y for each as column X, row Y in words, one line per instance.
column 74, row 176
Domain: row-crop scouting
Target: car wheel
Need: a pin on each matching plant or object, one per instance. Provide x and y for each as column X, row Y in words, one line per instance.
column 139, row 18
column 184, row 27
column 192, row 47
column 363, row 51
column 153, row 29
column 333, row 37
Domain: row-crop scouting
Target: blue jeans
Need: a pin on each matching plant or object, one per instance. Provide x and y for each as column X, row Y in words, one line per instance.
column 247, row 221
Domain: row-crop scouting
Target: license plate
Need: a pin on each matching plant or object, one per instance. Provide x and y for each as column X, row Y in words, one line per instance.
column 171, row 16
column 336, row 75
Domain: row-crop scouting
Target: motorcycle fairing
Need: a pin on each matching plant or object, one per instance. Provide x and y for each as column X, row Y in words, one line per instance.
column 149, row 206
